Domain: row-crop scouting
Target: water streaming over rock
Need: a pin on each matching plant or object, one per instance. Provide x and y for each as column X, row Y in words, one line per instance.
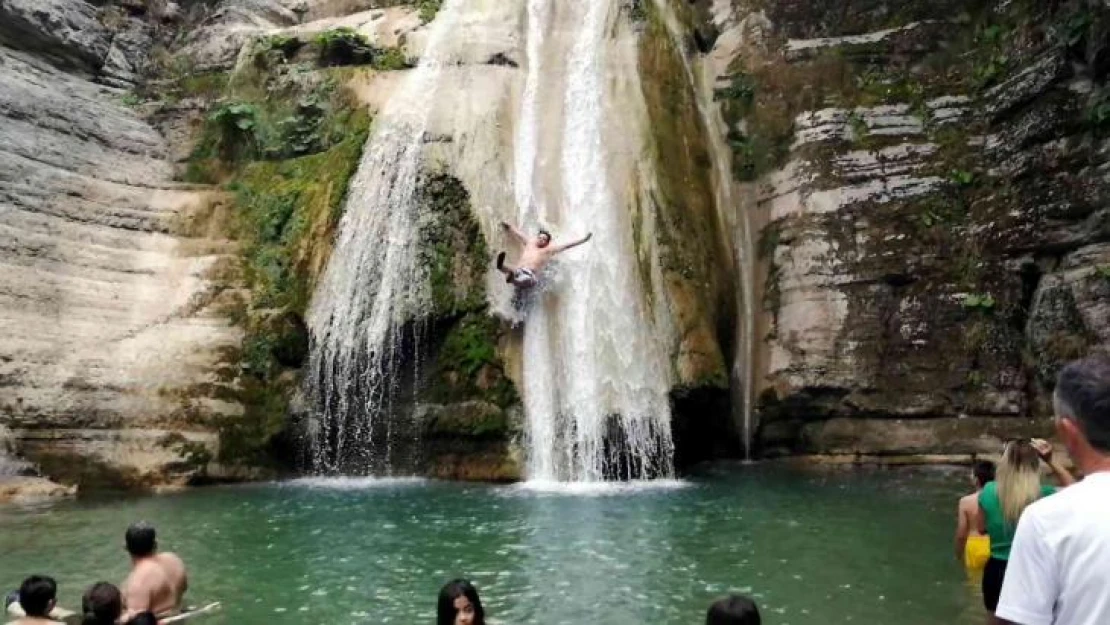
column 595, row 376
column 9, row 464
column 365, row 313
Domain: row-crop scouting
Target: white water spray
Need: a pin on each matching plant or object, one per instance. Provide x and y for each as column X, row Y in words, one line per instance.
column 365, row 309
column 595, row 376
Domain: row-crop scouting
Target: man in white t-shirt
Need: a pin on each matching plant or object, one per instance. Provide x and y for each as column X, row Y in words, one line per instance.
column 1059, row 570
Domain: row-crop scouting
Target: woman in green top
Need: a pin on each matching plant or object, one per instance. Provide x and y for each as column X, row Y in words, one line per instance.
column 1001, row 502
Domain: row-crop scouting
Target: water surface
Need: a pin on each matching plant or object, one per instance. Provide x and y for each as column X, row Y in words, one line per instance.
column 812, row 547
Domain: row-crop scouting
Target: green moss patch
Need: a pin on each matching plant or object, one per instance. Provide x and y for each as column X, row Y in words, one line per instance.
column 467, row 365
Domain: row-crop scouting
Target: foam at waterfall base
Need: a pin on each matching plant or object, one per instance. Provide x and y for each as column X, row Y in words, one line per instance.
column 598, row 488
column 355, row 483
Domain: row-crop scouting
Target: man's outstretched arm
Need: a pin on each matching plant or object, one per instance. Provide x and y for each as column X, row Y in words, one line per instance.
column 515, row 232
column 567, row 246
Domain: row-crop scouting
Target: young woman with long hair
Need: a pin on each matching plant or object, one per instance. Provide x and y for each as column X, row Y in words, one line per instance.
column 459, row 605
column 1017, row 484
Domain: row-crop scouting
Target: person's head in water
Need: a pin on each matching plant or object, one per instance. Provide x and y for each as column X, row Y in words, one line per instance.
column 981, row 473
column 101, row 604
column 459, row 605
column 733, row 610
column 37, row 595
column 1082, row 404
column 543, row 238
column 140, row 539
column 1018, row 478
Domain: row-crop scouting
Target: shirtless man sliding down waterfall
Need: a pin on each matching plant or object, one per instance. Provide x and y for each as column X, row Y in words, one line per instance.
column 537, row 253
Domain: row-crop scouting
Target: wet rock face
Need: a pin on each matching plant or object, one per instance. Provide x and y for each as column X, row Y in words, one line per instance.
column 937, row 225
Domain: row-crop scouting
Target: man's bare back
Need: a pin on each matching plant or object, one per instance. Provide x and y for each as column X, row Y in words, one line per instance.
column 536, row 254
column 157, row 580
column 156, row 584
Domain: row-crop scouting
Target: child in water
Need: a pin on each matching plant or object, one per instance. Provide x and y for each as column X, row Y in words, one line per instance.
column 973, row 548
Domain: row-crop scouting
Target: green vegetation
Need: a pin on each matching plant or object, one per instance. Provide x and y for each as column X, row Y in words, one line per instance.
column 131, row 99
column 467, row 365
column 195, row 455
column 1098, row 112
column 451, row 245
column 285, row 148
column 978, row 301
column 1103, row 271
column 346, row 46
column 429, row 9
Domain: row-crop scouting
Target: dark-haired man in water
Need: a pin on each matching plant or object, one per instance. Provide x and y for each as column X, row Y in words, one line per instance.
column 537, row 253
column 157, row 581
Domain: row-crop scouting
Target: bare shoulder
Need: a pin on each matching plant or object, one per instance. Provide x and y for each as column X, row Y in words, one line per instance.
column 169, row 557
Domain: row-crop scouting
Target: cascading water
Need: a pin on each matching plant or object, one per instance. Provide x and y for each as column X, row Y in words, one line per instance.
column 595, row 377
column 364, row 314
column 9, row 464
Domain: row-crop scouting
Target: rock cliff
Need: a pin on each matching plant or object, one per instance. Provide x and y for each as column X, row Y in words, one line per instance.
column 890, row 217
column 928, row 184
column 106, row 310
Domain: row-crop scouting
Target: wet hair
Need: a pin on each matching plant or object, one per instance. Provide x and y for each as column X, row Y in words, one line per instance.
column 983, row 472
column 544, row 233
column 36, row 593
column 140, row 539
column 445, row 611
column 101, row 604
column 1083, row 396
column 143, row 618
column 1019, row 479
column 733, row 610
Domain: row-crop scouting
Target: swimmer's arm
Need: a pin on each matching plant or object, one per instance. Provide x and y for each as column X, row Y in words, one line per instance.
column 567, row 246
column 515, row 232
column 963, row 528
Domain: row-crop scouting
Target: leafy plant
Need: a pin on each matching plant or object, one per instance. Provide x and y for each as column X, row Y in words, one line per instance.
column 1103, row 271
column 131, row 99
column 741, row 89
column 277, row 48
column 858, row 126
column 235, row 124
column 961, row 177
column 429, row 9
column 979, row 301
column 387, row 59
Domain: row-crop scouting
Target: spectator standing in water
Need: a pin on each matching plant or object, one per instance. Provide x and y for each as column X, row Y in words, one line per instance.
column 971, row 546
column 459, row 605
column 157, row 581
column 733, row 610
column 1001, row 503
column 1059, row 570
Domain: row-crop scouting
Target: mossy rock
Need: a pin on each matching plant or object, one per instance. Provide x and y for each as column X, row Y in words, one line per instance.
column 452, row 246
column 470, row 419
column 466, row 365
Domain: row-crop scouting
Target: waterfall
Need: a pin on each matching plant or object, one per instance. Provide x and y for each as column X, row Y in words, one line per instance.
column 595, row 377
column 9, row 464
column 364, row 317
column 735, row 222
